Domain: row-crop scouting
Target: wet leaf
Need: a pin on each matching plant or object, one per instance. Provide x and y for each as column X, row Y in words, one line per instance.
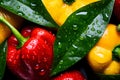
column 3, row 47
column 32, row 10
column 80, row 33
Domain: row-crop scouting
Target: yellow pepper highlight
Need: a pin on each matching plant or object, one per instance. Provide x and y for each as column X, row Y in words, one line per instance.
column 100, row 56
column 60, row 11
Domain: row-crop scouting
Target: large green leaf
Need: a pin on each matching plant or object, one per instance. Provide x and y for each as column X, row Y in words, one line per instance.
column 32, row 10
column 80, row 33
column 3, row 47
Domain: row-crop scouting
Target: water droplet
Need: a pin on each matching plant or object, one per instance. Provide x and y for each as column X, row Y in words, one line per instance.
column 20, row 13
column 81, row 38
column 34, row 53
column 61, row 62
column 82, row 13
column 33, row 5
column 18, row 7
column 37, row 66
column 72, row 52
column 2, row 3
column 10, row 60
column 59, row 67
column 36, row 13
column 75, row 27
column 74, row 46
column 74, row 58
column 42, row 72
column 106, row 15
column 99, row 32
column 93, row 29
column 45, row 59
column 59, row 45
column 89, row 35
column 14, row 62
column 94, row 39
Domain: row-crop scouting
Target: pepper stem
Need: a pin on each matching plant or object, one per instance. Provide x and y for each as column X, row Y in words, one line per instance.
column 118, row 27
column 17, row 34
column 69, row 2
column 116, row 53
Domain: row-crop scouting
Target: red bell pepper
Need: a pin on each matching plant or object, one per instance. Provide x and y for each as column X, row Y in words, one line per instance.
column 30, row 58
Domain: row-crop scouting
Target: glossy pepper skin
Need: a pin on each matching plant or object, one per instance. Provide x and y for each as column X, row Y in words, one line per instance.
column 102, row 56
column 33, row 60
column 70, row 75
column 56, row 8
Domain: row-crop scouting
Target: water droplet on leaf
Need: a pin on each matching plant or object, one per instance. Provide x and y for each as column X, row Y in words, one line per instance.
column 81, row 38
column 61, row 62
column 75, row 27
column 74, row 46
column 18, row 7
column 59, row 45
column 98, row 31
column 93, row 29
column 33, row 5
column 82, row 13
column 59, row 67
column 20, row 13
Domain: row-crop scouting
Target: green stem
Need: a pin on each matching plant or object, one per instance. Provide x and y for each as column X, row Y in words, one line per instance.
column 118, row 27
column 17, row 34
column 116, row 53
column 69, row 2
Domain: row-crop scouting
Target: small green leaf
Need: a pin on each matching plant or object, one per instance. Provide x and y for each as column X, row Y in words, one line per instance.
column 116, row 53
column 3, row 47
column 80, row 33
column 108, row 77
column 32, row 10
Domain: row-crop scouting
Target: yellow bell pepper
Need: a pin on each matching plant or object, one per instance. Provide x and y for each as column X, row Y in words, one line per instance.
column 104, row 57
column 60, row 11
column 13, row 19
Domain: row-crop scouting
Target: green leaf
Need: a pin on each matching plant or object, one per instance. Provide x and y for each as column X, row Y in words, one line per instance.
column 108, row 77
column 32, row 10
column 80, row 33
column 3, row 47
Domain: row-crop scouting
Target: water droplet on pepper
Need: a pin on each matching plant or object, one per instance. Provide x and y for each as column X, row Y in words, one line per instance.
column 42, row 72
column 37, row 66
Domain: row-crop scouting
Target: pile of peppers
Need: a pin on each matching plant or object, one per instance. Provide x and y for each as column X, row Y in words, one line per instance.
column 29, row 53
column 104, row 57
